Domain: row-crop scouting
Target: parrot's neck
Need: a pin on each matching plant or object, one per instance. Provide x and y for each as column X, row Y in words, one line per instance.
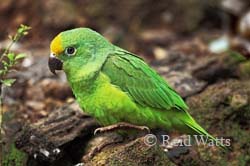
column 84, row 80
column 85, row 88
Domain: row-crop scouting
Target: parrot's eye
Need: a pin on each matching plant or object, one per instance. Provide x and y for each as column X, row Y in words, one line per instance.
column 70, row 51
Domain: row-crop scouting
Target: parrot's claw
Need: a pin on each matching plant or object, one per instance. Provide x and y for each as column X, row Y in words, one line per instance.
column 97, row 131
column 145, row 128
column 121, row 125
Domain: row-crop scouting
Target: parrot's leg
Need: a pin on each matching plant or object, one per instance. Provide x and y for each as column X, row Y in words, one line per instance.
column 121, row 125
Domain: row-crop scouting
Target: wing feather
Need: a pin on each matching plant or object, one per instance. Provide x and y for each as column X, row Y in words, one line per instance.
column 133, row 76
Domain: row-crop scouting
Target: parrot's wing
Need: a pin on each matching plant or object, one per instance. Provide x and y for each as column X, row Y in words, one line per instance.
column 133, row 76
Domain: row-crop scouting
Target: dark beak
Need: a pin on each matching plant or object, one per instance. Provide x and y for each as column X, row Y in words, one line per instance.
column 54, row 64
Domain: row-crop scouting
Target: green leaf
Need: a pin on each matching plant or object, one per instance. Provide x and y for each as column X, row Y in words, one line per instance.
column 2, row 72
column 23, row 30
column 20, row 30
column 11, row 56
column 20, row 56
column 8, row 82
column 5, row 64
column 237, row 56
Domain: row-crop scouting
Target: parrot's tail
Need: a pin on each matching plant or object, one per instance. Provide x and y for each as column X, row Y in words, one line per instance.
column 201, row 132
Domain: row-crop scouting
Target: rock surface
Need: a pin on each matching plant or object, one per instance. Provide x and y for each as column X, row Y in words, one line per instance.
column 224, row 109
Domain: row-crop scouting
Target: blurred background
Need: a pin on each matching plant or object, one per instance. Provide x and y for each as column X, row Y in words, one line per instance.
column 131, row 24
column 201, row 47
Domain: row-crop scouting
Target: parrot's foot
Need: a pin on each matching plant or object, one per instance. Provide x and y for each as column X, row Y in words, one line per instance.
column 121, row 125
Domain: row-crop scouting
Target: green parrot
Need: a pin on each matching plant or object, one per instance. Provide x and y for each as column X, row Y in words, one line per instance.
column 117, row 87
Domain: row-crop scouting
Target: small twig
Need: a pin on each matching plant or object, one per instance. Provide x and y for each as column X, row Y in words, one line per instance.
column 22, row 31
column 7, row 68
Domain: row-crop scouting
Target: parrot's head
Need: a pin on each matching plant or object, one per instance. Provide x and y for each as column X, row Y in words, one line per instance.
column 76, row 48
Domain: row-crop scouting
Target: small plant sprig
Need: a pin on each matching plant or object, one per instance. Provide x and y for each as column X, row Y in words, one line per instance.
column 9, row 59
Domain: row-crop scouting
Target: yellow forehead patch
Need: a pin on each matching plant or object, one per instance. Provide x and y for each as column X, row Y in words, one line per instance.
column 56, row 45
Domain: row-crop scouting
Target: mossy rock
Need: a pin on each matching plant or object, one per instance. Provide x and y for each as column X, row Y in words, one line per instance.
column 14, row 157
column 244, row 69
column 224, row 110
column 133, row 153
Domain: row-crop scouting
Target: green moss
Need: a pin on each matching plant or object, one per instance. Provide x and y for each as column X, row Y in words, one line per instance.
column 244, row 159
column 224, row 110
column 14, row 157
column 244, row 69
